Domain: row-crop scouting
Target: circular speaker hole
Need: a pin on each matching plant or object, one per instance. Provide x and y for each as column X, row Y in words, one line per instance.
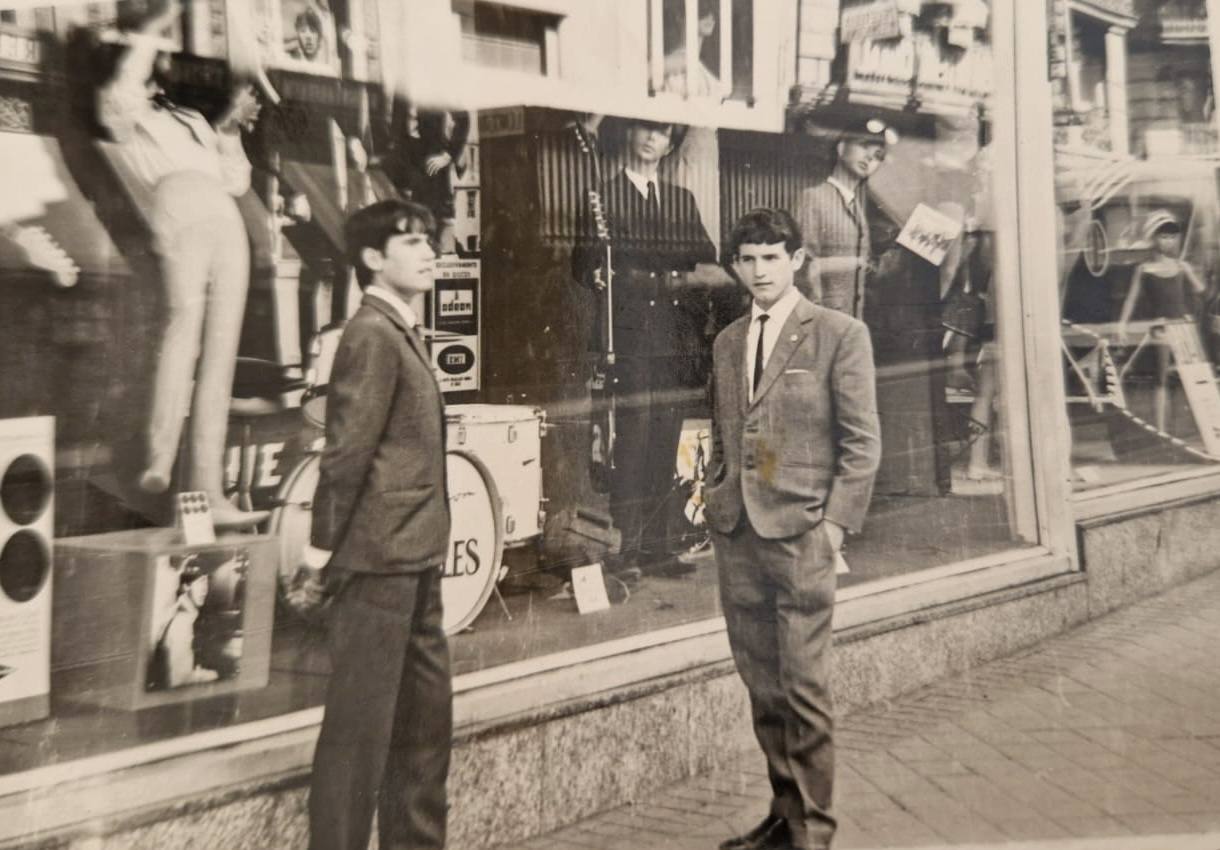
column 24, row 564
column 25, row 489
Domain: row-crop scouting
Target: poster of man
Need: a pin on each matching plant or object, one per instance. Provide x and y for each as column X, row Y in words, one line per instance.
column 308, row 38
column 198, row 604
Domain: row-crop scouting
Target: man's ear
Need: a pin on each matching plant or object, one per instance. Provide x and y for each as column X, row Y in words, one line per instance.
column 839, row 146
column 373, row 259
column 798, row 258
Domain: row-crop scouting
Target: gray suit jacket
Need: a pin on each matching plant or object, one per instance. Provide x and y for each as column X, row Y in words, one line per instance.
column 381, row 503
column 808, row 446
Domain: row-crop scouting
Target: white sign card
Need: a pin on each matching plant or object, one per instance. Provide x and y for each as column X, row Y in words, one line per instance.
column 1198, row 381
column 929, row 233
column 589, row 588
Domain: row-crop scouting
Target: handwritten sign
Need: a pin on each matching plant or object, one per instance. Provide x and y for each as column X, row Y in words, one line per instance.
column 929, row 234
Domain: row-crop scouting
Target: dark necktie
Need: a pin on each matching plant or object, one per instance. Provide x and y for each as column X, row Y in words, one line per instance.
column 758, row 351
column 654, row 205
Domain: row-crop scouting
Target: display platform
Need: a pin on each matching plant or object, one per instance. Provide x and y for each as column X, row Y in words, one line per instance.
column 141, row 619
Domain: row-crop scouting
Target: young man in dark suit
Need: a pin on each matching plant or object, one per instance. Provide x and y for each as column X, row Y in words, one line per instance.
column 381, row 514
column 795, row 447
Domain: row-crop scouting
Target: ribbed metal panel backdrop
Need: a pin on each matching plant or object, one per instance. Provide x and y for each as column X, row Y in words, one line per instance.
column 758, row 170
column 755, row 169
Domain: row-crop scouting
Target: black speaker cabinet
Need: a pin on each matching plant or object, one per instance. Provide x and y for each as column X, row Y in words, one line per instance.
column 141, row 619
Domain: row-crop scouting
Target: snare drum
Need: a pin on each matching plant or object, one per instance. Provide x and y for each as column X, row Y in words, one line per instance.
column 508, row 439
column 322, row 350
column 476, row 547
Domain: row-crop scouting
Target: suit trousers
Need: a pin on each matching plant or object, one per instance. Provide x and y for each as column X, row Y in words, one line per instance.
column 650, row 404
column 778, row 598
column 205, row 267
column 387, row 731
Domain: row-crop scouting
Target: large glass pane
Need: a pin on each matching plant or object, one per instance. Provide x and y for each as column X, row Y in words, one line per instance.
column 167, row 330
column 1136, row 183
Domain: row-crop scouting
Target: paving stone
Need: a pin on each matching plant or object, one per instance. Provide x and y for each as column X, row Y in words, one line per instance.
column 1109, row 730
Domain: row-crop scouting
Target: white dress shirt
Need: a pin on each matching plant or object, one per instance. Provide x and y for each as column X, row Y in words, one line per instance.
column 776, row 317
column 640, row 182
column 848, row 193
column 394, row 300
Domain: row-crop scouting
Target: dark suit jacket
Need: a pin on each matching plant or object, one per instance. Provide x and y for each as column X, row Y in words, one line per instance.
column 809, row 444
column 381, row 505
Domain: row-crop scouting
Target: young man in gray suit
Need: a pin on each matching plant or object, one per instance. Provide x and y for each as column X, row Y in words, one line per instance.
column 795, row 448
column 381, row 513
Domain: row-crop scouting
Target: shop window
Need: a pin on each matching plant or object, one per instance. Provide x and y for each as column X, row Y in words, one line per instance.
column 509, row 39
column 538, row 210
column 1137, row 214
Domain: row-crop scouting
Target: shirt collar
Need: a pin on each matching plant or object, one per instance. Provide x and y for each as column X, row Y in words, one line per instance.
column 402, row 307
column 640, row 182
column 848, row 193
column 780, row 310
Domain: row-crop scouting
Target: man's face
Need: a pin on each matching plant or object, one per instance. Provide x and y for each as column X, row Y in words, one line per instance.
column 862, row 157
column 649, row 143
column 309, row 39
column 768, row 271
column 407, row 265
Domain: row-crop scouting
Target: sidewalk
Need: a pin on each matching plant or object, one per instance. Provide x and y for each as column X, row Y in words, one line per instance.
column 1106, row 738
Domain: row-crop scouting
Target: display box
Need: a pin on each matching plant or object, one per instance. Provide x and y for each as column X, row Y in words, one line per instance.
column 141, row 619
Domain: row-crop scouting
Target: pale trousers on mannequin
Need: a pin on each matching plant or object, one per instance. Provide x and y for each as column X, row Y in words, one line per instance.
column 205, row 267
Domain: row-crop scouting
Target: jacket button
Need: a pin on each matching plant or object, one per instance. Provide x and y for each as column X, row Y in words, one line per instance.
column 652, row 303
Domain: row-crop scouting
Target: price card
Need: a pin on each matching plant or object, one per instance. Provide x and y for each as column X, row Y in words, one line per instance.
column 589, row 588
column 929, row 233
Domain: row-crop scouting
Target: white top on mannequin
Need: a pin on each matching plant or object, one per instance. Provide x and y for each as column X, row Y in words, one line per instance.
column 156, row 141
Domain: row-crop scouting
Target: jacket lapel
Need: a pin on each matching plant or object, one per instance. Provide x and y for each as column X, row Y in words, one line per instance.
column 792, row 333
column 412, row 336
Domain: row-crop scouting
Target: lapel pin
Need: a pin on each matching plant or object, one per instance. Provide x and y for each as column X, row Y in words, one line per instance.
column 792, row 338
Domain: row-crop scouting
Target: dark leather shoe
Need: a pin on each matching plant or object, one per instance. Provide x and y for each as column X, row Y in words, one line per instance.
column 771, row 834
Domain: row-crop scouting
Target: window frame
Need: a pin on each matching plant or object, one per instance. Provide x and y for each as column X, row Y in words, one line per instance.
column 1037, row 422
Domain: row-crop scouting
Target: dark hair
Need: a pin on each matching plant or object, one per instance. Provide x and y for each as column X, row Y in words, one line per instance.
column 309, row 18
column 677, row 132
column 373, row 226
column 765, row 226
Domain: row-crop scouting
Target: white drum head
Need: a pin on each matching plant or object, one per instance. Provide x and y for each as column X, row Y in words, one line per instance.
column 475, row 542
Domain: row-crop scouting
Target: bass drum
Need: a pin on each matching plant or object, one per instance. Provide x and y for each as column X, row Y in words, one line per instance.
column 476, row 546
column 322, row 350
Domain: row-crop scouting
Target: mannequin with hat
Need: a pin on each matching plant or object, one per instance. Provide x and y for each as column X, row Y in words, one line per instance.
column 834, row 218
column 1164, row 283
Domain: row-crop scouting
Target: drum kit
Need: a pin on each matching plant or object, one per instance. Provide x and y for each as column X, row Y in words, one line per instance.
column 494, row 468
